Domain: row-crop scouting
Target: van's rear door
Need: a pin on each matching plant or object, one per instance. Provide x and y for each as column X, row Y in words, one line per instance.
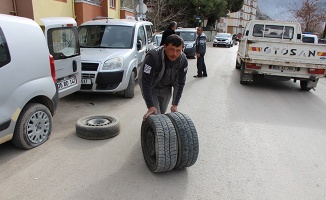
column 62, row 37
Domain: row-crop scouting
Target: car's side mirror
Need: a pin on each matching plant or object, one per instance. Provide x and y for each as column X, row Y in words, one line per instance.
column 139, row 46
column 299, row 36
column 247, row 32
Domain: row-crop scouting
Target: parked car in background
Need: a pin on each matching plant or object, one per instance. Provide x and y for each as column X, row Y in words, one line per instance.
column 112, row 52
column 310, row 38
column 223, row 39
column 62, row 38
column 157, row 39
column 189, row 37
column 29, row 94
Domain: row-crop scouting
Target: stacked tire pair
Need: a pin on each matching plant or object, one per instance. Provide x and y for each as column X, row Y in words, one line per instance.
column 169, row 141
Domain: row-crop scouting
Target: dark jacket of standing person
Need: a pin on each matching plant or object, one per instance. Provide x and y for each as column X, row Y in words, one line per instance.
column 201, row 44
column 169, row 31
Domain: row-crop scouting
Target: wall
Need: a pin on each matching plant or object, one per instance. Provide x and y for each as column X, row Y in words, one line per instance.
column 114, row 12
column 51, row 8
column 6, row 6
column 86, row 12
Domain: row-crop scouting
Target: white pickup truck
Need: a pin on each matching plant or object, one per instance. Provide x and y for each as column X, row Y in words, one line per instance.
column 275, row 50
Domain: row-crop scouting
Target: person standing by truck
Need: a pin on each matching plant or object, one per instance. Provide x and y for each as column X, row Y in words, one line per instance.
column 164, row 68
column 200, row 53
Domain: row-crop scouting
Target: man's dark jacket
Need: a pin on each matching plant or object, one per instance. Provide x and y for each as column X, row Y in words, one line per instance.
column 159, row 72
column 166, row 34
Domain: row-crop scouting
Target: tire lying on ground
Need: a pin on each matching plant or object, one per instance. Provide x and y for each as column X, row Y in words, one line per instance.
column 159, row 143
column 188, row 145
column 98, row 127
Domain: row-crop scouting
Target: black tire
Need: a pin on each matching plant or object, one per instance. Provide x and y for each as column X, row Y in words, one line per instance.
column 159, row 143
column 242, row 74
column 130, row 91
column 237, row 65
column 188, row 145
column 98, row 127
column 304, row 85
column 34, row 126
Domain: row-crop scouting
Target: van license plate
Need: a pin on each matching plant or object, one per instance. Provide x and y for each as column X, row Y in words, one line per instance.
column 285, row 68
column 86, row 81
column 67, row 83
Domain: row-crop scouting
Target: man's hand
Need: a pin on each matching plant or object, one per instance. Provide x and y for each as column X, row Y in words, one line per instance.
column 151, row 110
column 174, row 108
column 197, row 55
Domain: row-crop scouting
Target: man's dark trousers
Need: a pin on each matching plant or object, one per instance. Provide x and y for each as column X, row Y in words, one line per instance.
column 201, row 67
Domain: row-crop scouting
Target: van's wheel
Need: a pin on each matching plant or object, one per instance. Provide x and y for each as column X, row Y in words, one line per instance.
column 98, row 127
column 130, row 91
column 304, row 85
column 34, row 126
column 188, row 146
column 159, row 143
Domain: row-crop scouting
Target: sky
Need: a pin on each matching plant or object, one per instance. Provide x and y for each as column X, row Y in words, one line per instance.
column 277, row 9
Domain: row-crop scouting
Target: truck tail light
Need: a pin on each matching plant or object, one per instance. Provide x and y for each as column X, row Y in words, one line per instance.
column 316, row 71
column 52, row 68
column 253, row 66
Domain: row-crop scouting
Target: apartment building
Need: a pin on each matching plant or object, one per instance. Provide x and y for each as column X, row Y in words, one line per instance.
column 81, row 10
column 237, row 21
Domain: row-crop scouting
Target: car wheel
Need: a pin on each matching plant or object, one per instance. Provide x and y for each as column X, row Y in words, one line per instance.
column 34, row 126
column 304, row 85
column 130, row 91
column 98, row 127
column 159, row 143
column 188, row 146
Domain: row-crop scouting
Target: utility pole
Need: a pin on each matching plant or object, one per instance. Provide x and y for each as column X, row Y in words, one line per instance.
column 141, row 6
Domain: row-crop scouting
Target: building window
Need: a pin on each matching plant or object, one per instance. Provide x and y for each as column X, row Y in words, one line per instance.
column 112, row 3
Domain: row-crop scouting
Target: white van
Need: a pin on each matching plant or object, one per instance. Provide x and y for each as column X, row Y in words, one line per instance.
column 62, row 37
column 112, row 52
column 29, row 95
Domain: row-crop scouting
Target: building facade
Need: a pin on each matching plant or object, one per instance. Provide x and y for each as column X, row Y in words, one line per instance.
column 80, row 10
column 237, row 21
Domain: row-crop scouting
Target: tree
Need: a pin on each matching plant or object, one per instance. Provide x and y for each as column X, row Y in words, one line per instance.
column 235, row 5
column 161, row 13
column 310, row 15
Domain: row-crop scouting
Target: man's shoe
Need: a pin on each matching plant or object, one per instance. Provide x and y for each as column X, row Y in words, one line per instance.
column 205, row 75
column 196, row 76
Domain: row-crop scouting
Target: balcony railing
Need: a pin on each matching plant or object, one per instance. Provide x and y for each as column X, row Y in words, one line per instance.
column 94, row 2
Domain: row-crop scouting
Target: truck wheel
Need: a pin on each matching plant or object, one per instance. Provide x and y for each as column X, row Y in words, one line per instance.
column 97, row 127
column 159, row 143
column 237, row 65
column 304, row 85
column 242, row 74
column 188, row 146
column 34, row 126
column 130, row 91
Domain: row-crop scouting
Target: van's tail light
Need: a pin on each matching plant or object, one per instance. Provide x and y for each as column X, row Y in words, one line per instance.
column 52, row 68
column 253, row 66
column 316, row 71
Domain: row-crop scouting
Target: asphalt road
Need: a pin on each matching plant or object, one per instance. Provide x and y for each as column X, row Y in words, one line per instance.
column 261, row 141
